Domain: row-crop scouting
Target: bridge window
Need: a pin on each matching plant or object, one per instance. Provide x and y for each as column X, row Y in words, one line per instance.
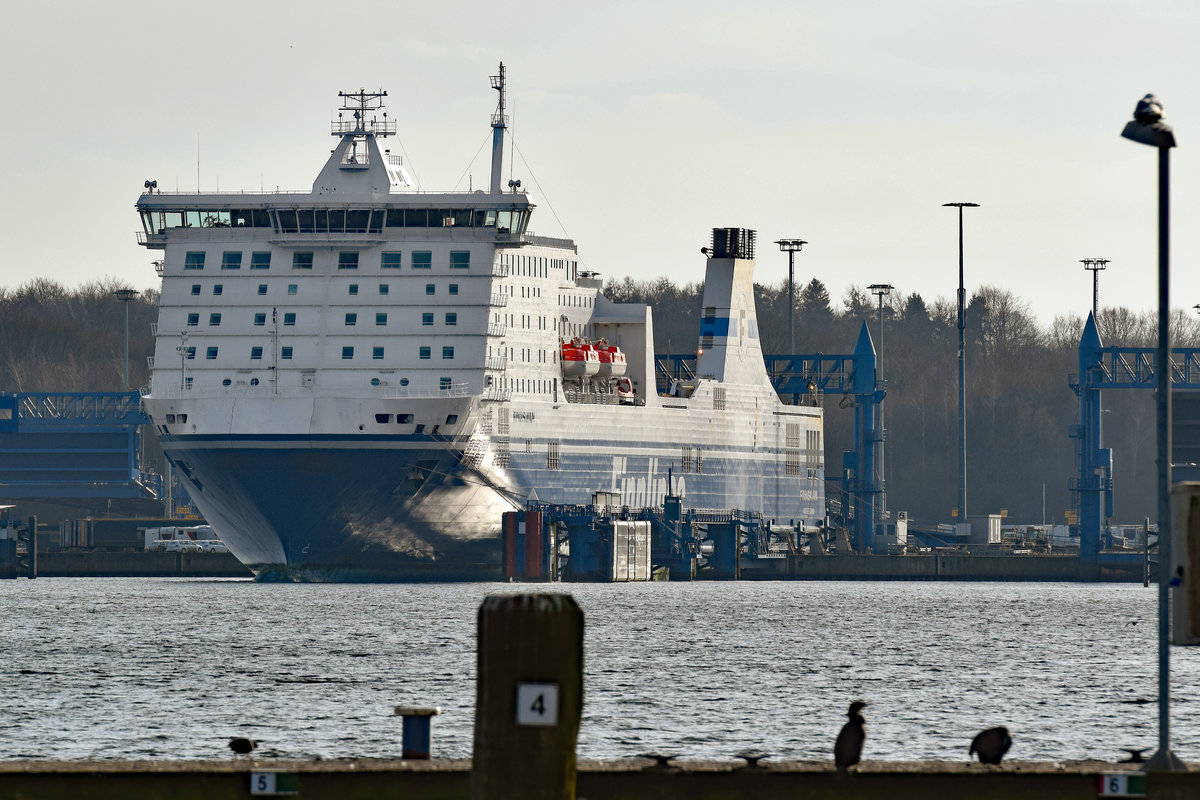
column 430, row 288
column 193, row 320
column 444, row 384
column 256, row 353
column 210, row 353
column 376, row 352
column 230, row 260
column 260, row 261
column 285, row 353
column 427, row 318
column 262, row 288
column 218, row 289
column 193, row 261
column 195, row 288
column 351, row 319
column 302, row 260
column 421, row 259
column 214, row 319
column 390, row 260
column 425, row 353
column 381, row 318
column 348, row 259
column 460, row 259
column 451, row 318
column 191, row 353
column 383, row 288
column 404, row 419
column 353, row 289
column 447, row 352
column 260, row 319
column 347, row 352
column 453, row 288
column 383, row 418
column 289, row 318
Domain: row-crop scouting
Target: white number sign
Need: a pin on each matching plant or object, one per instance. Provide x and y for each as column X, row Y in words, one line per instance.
column 537, row 704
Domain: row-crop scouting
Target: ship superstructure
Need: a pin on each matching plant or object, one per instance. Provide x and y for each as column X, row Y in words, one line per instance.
column 355, row 382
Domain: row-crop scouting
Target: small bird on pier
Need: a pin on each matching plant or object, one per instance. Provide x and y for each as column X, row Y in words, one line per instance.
column 242, row 746
column 991, row 745
column 847, row 750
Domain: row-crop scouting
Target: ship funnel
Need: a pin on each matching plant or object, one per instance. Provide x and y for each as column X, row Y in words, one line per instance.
column 729, row 345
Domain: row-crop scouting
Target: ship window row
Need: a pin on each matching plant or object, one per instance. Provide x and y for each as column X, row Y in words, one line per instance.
column 347, row 259
column 352, row 289
column 535, row 266
column 576, row 301
column 450, row 318
column 336, row 220
column 425, row 352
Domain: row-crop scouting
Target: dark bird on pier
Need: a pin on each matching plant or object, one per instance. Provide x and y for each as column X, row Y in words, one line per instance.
column 241, row 745
column 847, row 750
column 991, row 745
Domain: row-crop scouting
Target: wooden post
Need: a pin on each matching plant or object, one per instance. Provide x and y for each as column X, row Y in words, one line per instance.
column 528, row 697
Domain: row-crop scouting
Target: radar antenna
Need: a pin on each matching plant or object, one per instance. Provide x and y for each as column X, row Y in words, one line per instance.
column 359, row 104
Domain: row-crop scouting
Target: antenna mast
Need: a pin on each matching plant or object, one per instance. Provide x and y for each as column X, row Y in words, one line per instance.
column 499, row 122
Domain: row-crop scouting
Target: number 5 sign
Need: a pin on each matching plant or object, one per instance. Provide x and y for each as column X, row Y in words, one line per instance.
column 537, row 704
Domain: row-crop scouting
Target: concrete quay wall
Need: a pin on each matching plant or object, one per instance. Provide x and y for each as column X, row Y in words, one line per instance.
column 935, row 566
column 100, row 564
column 634, row 779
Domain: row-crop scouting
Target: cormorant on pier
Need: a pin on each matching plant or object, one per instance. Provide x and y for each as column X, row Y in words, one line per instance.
column 848, row 749
column 991, row 745
column 241, row 745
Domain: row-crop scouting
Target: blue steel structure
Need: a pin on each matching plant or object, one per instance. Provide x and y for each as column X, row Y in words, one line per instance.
column 853, row 376
column 1103, row 367
column 71, row 444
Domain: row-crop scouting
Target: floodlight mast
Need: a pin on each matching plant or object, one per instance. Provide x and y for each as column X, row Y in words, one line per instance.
column 1147, row 127
column 962, row 368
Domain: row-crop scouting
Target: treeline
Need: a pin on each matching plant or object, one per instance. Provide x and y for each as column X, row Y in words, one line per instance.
column 1019, row 404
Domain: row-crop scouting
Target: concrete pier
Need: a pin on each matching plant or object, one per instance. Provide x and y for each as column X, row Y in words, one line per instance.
column 631, row 779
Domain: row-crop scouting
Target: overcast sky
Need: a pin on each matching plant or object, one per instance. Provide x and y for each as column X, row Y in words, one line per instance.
column 639, row 127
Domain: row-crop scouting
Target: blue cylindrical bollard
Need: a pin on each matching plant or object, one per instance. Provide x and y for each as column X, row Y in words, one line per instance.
column 416, row 735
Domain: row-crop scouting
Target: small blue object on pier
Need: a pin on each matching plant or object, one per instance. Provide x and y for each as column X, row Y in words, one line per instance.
column 415, row 743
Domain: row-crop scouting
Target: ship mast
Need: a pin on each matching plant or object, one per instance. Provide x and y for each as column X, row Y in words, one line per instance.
column 499, row 122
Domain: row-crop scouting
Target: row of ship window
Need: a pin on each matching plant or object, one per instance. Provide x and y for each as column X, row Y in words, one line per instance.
column 347, row 259
column 337, row 220
column 424, row 352
column 352, row 289
column 289, row 318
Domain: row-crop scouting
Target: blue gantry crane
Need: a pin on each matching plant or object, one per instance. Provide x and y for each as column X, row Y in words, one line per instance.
column 1100, row 368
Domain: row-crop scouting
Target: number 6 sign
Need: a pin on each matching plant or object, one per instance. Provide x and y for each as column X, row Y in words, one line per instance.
column 537, row 704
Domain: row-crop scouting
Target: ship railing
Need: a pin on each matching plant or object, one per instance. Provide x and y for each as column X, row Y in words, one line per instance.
column 499, row 300
column 497, row 393
column 499, row 270
column 550, row 241
column 497, row 329
column 158, row 267
column 462, row 389
column 496, row 362
column 150, row 362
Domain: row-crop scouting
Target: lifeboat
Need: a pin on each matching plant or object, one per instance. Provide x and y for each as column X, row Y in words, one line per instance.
column 612, row 360
column 579, row 359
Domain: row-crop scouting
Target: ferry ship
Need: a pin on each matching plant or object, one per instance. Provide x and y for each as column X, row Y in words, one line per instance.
column 356, row 381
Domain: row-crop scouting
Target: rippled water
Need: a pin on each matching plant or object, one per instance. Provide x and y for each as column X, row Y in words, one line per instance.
column 144, row 668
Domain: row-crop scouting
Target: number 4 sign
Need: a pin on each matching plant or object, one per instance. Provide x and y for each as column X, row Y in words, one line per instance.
column 537, row 704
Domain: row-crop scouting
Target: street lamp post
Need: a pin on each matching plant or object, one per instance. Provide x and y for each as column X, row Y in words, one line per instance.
column 791, row 247
column 1147, row 128
column 1095, row 265
column 125, row 295
column 881, row 290
column 962, row 368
